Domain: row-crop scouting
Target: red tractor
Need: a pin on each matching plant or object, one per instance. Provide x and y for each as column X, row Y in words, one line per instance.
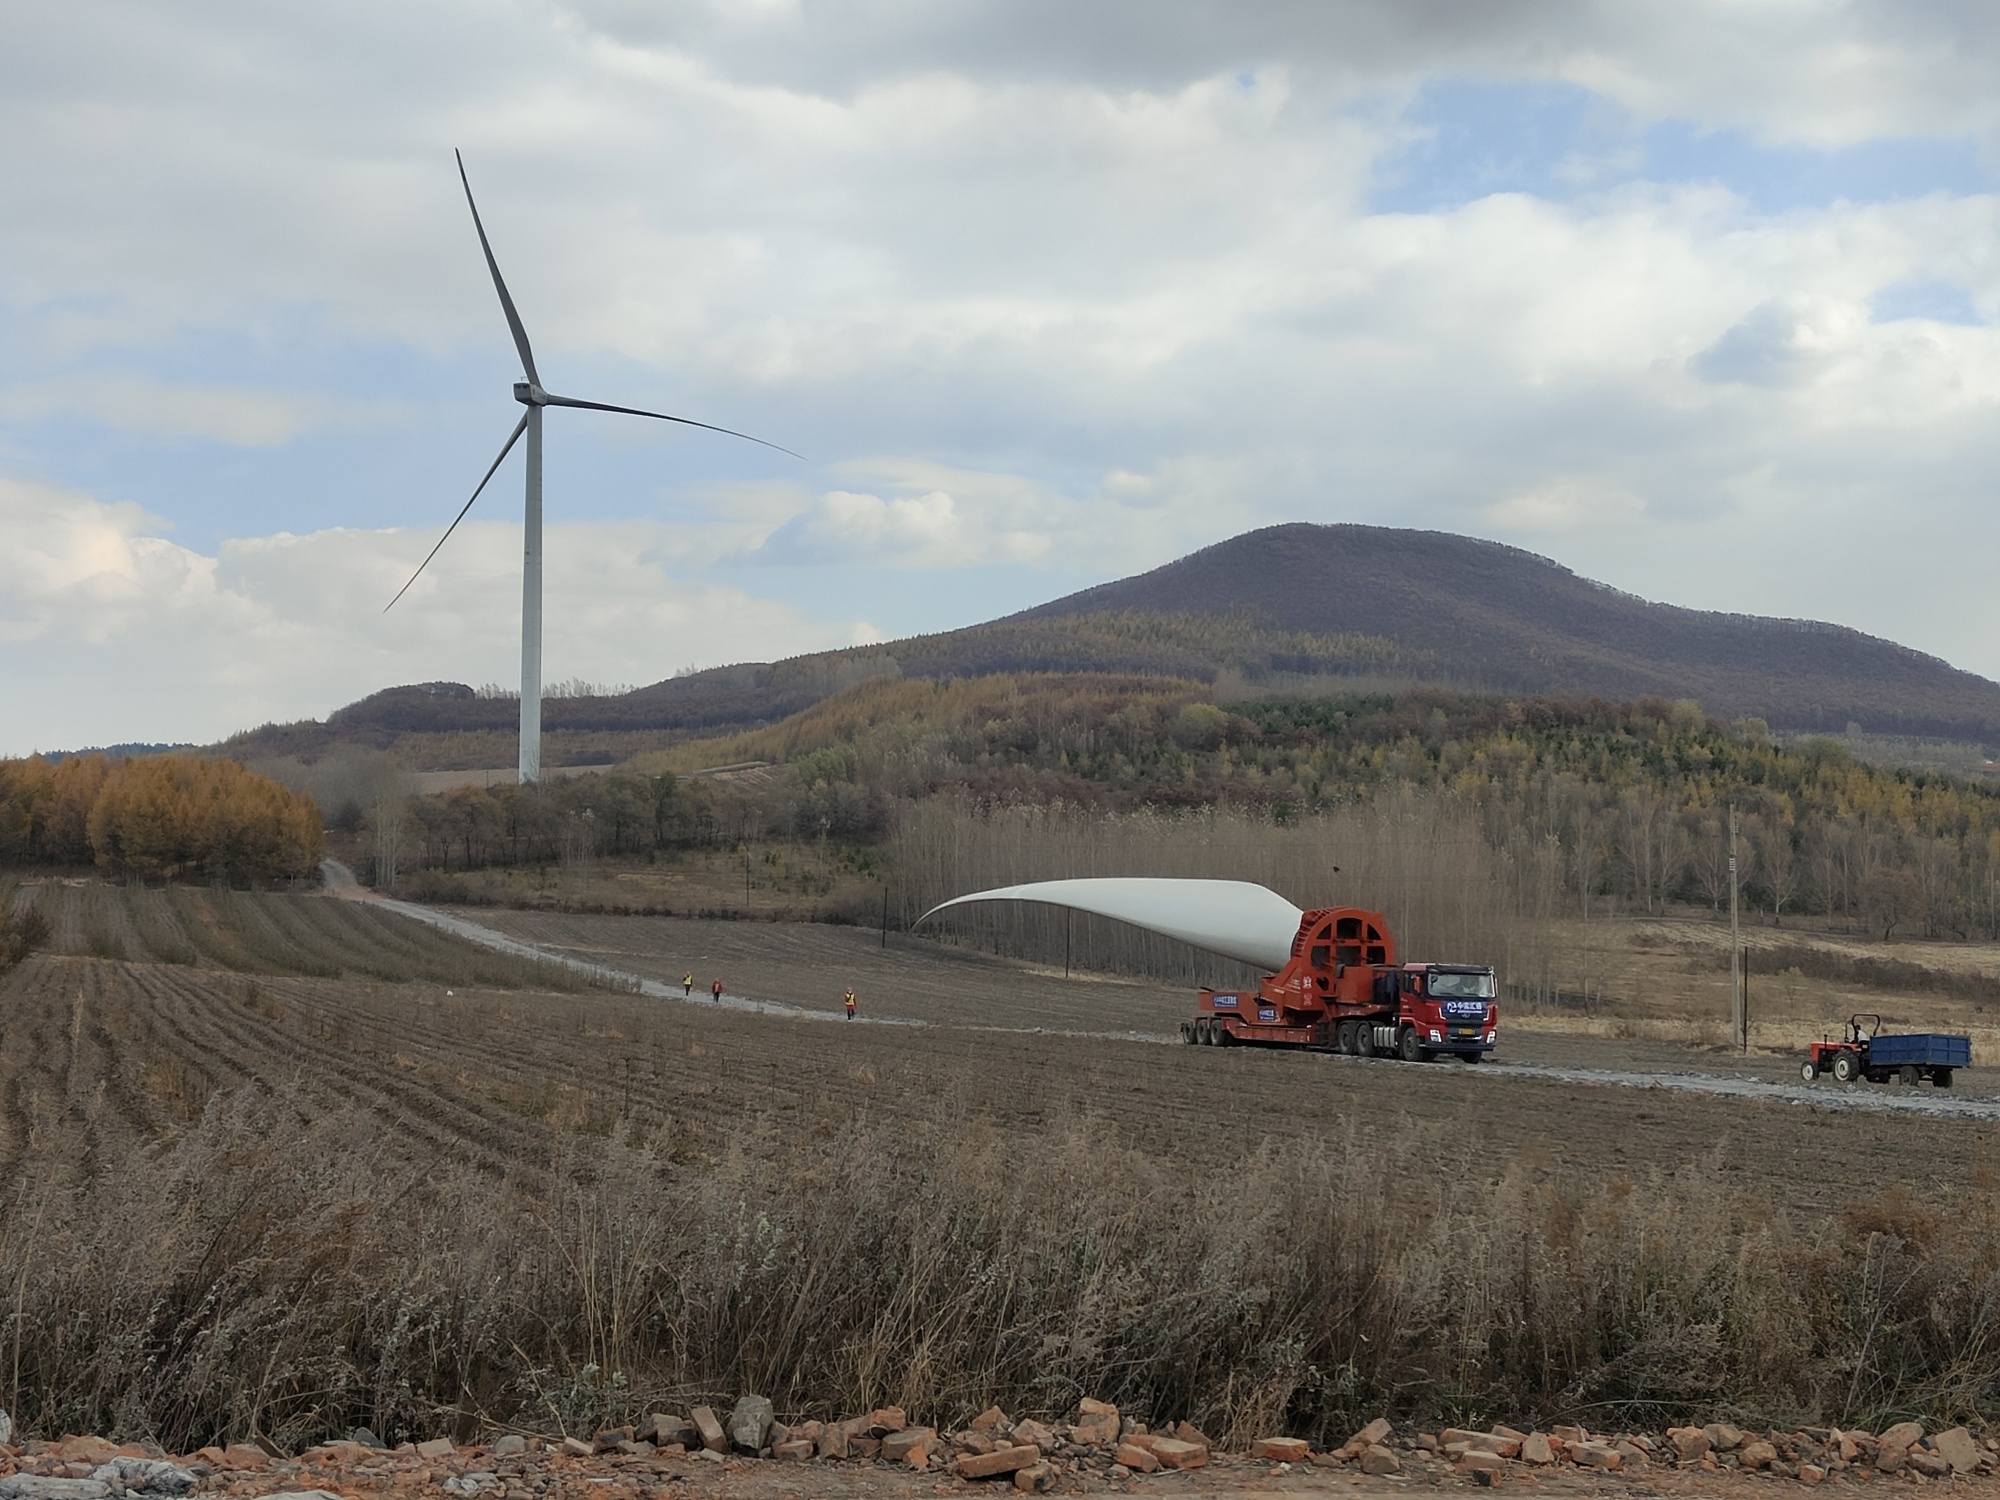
column 1344, row 990
column 1866, row 1051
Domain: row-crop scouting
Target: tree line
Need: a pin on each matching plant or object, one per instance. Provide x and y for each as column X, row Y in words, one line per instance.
column 1613, row 806
column 169, row 816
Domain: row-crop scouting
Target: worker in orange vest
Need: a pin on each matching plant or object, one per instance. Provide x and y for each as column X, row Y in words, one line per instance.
column 850, row 1002
column 716, row 990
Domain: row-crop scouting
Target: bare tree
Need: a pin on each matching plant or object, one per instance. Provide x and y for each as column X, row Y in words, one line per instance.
column 1670, row 854
column 1778, row 863
column 1711, row 859
column 1638, row 814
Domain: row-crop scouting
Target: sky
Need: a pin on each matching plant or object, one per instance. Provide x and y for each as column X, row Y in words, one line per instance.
column 1698, row 299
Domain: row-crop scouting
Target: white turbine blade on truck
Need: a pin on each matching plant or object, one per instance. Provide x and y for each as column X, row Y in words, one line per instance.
column 1234, row 918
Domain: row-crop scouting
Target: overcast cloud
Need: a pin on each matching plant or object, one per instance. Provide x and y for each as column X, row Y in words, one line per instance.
column 1698, row 299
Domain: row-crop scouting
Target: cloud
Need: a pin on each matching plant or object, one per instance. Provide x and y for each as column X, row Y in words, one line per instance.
column 933, row 516
column 1570, row 503
column 135, row 403
column 113, row 633
column 1053, row 293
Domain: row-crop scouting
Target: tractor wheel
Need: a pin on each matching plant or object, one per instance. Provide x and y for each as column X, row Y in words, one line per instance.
column 1364, row 1039
column 1808, row 1070
column 1908, row 1074
column 1847, row 1067
column 1941, row 1078
column 1411, row 1049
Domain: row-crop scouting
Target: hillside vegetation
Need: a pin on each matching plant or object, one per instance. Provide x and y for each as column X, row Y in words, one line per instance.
column 1286, row 609
column 1482, row 825
column 1496, row 617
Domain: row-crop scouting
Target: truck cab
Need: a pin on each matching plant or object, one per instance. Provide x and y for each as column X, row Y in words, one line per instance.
column 1446, row 1008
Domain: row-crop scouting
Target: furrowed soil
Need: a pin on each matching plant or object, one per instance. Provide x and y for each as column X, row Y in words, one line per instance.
column 486, row 1075
column 1000, row 1183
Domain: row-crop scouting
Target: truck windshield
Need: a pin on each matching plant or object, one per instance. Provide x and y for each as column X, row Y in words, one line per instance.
column 1446, row 986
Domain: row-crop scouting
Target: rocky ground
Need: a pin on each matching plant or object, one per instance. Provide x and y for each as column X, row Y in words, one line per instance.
column 751, row 1455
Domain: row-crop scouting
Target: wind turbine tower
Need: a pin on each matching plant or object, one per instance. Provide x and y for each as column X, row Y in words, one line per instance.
column 530, row 394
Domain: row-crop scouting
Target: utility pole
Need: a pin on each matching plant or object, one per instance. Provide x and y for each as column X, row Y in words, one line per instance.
column 885, row 914
column 1069, row 937
column 1739, row 1022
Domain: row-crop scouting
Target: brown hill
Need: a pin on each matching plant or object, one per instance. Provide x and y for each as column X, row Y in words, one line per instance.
column 1286, row 601
column 1500, row 618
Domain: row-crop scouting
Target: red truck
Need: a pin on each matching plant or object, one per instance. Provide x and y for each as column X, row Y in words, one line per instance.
column 1343, row 990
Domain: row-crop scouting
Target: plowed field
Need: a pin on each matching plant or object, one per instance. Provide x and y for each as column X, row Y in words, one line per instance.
column 455, row 1069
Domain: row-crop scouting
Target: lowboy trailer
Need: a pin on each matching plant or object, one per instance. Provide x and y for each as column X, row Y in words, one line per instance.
column 1343, row 990
column 1331, row 981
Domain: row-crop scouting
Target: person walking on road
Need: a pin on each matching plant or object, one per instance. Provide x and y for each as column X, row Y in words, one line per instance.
column 716, row 990
column 687, row 984
column 849, row 1002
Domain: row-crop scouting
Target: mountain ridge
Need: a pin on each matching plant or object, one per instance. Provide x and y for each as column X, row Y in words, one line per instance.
column 1279, row 605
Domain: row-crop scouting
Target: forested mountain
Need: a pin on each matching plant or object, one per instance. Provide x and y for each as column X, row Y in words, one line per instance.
column 1295, row 601
column 1497, row 618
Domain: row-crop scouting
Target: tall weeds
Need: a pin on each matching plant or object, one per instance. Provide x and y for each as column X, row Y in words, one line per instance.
column 267, row 1278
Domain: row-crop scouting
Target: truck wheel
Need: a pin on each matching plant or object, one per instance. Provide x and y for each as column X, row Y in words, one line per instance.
column 1846, row 1067
column 1808, row 1070
column 1345, row 1044
column 1908, row 1074
column 1411, row 1049
column 1471, row 1057
column 1364, row 1039
column 1941, row 1078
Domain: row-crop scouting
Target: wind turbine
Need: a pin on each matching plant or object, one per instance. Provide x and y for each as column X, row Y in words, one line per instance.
column 530, row 394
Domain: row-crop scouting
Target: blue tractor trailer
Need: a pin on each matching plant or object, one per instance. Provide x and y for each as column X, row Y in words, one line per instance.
column 1866, row 1051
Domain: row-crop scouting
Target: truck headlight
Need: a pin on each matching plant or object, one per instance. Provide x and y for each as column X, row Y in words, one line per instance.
column 1434, row 1035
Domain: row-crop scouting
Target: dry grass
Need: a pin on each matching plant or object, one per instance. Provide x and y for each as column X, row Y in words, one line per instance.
column 243, row 1204
column 268, row 1278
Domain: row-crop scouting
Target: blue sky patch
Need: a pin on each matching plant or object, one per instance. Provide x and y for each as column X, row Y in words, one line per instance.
column 1939, row 301
column 1558, row 141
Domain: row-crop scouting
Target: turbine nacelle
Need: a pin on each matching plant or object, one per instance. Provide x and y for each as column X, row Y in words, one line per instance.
column 529, row 394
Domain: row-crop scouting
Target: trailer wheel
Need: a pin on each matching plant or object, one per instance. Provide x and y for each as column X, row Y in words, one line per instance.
column 1847, row 1067
column 1205, row 1032
column 1224, row 1037
column 1410, row 1047
column 1941, row 1078
column 1808, row 1070
column 1908, row 1074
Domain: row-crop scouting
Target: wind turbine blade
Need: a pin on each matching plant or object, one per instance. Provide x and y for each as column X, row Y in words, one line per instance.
column 512, row 438
column 500, row 286
column 1235, row 918
column 633, row 411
